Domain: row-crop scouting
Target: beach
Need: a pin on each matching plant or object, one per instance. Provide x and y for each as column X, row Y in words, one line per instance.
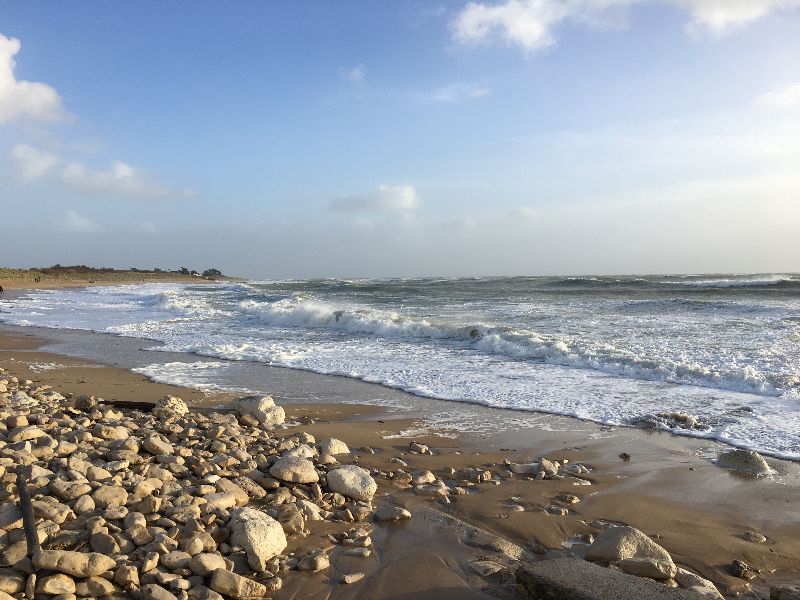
column 667, row 486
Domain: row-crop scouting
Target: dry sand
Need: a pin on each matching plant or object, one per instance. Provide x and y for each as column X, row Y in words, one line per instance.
column 669, row 489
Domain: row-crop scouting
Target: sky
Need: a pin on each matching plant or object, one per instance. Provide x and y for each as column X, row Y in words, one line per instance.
column 397, row 139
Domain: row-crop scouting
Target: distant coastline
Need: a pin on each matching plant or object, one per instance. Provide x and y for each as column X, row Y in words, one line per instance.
column 59, row 276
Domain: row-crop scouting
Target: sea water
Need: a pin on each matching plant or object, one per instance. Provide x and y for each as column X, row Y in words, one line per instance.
column 617, row 350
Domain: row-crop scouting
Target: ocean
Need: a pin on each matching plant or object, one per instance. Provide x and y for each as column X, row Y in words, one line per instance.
column 639, row 351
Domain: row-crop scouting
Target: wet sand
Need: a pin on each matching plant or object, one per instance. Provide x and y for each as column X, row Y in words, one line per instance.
column 670, row 488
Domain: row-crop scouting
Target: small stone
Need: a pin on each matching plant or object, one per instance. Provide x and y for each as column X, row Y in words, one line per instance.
column 94, row 587
column 352, row 577
column 236, row 586
column 388, row 512
column 314, row 562
column 153, row 591
column 752, row 536
column 258, row 534
column 206, row 563
column 55, row 584
column 108, row 496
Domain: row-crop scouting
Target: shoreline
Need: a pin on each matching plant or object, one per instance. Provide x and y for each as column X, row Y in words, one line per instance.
column 654, row 485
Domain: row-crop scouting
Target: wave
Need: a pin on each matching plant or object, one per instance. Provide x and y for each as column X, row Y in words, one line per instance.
column 513, row 343
column 771, row 281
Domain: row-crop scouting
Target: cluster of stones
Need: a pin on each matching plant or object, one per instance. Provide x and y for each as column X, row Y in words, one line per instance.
column 168, row 504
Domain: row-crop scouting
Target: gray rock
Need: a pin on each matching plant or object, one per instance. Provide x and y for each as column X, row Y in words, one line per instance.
column 388, row 512
column 206, row 563
column 576, row 579
column 620, row 543
column 647, row 567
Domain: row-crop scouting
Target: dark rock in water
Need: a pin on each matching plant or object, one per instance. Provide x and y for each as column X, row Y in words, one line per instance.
column 625, row 456
column 577, row 579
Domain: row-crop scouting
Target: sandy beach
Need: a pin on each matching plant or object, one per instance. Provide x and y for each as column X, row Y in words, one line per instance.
column 664, row 485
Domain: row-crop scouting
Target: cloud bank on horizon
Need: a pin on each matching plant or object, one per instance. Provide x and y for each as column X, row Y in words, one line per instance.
column 470, row 144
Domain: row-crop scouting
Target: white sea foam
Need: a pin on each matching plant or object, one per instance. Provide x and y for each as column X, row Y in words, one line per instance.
column 551, row 345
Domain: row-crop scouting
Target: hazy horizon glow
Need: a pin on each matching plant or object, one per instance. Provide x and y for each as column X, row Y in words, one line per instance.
column 363, row 140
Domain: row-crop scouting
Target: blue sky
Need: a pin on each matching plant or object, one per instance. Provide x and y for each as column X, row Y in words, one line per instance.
column 310, row 139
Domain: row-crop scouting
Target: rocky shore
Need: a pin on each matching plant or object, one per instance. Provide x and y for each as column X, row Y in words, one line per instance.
column 104, row 499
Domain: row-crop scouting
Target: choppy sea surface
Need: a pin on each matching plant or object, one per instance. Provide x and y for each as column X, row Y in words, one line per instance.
column 618, row 350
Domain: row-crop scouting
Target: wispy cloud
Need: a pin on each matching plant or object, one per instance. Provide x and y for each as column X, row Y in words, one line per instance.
column 532, row 24
column 76, row 223
column 456, row 92
column 355, row 74
column 120, row 180
column 389, row 198
column 32, row 163
column 24, row 100
column 785, row 97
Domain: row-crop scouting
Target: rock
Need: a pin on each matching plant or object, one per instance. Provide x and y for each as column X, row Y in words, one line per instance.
column 94, row 587
column 547, row 469
column 262, row 408
column 104, row 544
column 332, row 447
column 55, row 584
column 316, row 562
column 353, row 482
column 294, row 470
column 176, row 560
column 24, row 434
column 108, row 496
column 784, row 592
column 126, row 576
column 752, row 536
column 620, row 543
column 241, row 497
column 352, row 577
column 77, row 564
column 422, row 477
column 576, row 579
column 744, row 460
column 11, row 582
column 236, row 586
column 10, row 516
column 258, row 534
column 85, row 403
column 206, row 563
column 742, row 570
column 387, row 512
column 157, row 445
column 170, row 407
column 220, row 500
column 155, row 592
column 484, row 568
column 647, row 567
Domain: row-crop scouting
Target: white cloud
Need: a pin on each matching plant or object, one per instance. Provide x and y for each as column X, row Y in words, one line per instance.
column 74, row 222
column 120, row 180
column 355, row 74
column 456, row 92
column 785, row 97
column 390, row 198
column 24, row 100
column 531, row 24
column 32, row 163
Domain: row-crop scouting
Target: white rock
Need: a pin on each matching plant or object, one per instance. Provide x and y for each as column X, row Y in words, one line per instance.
column 353, row 482
column 332, row 447
column 170, row 406
column 744, row 460
column 294, row 470
column 619, row 543
column 262, row 408
column 258, row 534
